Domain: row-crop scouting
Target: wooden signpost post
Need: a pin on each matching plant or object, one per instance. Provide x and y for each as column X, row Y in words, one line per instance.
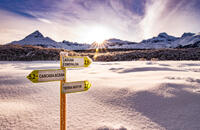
column 39, row 76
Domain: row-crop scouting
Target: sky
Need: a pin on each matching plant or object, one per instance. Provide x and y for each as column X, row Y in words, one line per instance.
column 86, row 21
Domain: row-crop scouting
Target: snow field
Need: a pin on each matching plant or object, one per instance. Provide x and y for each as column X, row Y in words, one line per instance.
column 132, row 95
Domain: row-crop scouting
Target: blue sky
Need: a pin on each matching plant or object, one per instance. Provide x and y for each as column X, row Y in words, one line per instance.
column 97, row 20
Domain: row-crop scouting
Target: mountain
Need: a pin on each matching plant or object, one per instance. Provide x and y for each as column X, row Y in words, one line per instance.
column 74, row 45
column 112, row 43
column 163, row 40
column 187, row 40
column 37, row 39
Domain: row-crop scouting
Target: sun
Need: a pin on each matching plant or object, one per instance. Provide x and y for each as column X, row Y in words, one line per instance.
column 97, row 34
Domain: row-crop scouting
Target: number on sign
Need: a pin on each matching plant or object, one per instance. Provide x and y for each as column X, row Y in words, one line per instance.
column 86, row 62
column 86, row 85
column 33, row 76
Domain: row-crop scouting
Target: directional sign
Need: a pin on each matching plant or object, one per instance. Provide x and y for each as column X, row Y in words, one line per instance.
column 37, row 76
column 66, row 61
column 75, row 61
column 71, row 87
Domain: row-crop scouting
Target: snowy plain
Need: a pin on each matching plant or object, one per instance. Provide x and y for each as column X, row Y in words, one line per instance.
column 134, row 95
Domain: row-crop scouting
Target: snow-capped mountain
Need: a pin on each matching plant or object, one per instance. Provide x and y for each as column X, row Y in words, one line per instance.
column 112, row 43
column 163, row 40
column 37, row 39
column 74, row 45
column 187, row 40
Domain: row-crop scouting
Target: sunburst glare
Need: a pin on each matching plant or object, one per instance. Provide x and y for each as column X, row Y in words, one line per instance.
column 97, row 34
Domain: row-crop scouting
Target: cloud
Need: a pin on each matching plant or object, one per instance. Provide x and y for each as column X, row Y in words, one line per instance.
column 44, row 20
column 83, row 16
column 16, row 27
column 12, row 26
column 174, row 17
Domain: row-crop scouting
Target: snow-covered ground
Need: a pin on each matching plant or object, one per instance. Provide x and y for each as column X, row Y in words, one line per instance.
column 136, row 95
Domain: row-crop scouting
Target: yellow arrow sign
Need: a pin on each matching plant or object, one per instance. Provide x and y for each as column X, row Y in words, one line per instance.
column 75, row 61
column 37, row 76
column 72, row 87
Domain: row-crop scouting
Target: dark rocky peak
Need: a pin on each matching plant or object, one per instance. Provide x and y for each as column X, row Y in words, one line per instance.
column 71, row 43
column 163, row 35
column 35, row 34
column 64, row 41
column 187, row 34
column 167, row 37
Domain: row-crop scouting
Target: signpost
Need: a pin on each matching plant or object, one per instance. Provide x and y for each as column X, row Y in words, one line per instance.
column 76, row 61
column 72, row 87
column 38, row 76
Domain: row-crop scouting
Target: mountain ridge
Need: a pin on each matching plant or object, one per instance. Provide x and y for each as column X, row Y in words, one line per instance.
column 161, row 41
